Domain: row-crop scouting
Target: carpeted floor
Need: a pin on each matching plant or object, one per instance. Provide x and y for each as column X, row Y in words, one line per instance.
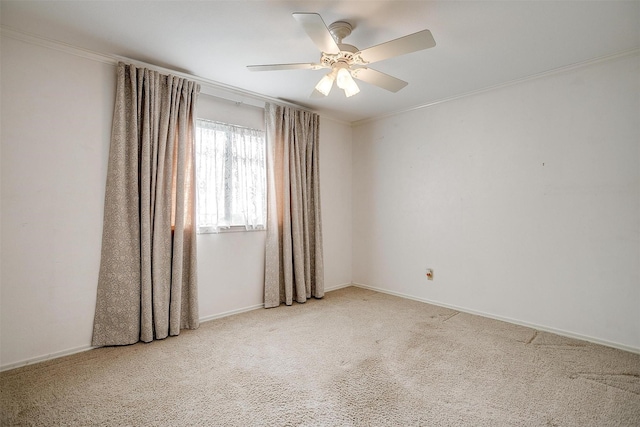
column 354, row 358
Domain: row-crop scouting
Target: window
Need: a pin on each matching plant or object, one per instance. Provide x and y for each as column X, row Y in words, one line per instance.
column 231, row 177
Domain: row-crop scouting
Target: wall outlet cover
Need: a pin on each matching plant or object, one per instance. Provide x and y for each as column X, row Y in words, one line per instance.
column 430, row 273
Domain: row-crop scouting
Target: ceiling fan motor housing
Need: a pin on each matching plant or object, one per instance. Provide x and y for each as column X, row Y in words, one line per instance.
column 339, row 30
column 348, row 53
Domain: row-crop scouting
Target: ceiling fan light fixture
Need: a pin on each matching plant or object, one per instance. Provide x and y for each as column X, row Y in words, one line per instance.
column 351, row 89
column 325, row 84
column 343, row 78
column 346, row 82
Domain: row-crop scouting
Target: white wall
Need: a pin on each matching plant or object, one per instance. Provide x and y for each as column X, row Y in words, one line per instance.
column 336, row 201
column 524, row 200
column 56, row 120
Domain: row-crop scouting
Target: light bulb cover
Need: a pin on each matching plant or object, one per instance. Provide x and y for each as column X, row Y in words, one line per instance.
column 325, row 84
column 343, row 78
column 346, row 82
column 351, row 89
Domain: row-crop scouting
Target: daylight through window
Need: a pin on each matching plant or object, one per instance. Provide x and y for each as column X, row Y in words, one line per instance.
column 231, row 177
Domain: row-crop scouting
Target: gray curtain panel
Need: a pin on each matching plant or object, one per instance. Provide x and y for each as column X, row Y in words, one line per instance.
column 147, row 285
column 294, row 268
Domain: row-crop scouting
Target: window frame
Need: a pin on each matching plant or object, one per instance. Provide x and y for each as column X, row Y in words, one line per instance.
column 233, row 228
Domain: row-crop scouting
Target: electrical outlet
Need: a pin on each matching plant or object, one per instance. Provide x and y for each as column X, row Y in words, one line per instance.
column 429, row 273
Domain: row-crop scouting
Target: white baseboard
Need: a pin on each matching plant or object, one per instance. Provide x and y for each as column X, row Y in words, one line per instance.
column 45, row 357
column 568, row 334
column 81, row 349
column 336, row 287
column 506, row 319
column 32, row 360
column 231, row 313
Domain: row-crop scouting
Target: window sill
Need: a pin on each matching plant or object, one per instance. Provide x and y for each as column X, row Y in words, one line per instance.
column 232, row 229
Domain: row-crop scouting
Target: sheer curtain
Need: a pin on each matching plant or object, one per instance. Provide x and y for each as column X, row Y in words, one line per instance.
column 231, row 176
column 294, row 269
column 147, row 281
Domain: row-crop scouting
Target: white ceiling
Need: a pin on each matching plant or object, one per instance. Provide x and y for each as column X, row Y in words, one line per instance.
column 479, row 43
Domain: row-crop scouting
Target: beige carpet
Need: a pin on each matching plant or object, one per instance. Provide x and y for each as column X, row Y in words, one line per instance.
column 354, row 358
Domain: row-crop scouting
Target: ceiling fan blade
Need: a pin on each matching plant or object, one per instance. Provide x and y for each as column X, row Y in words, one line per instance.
column 275, row 67
column 379, row 79
column 403, row 45
column 317, row 30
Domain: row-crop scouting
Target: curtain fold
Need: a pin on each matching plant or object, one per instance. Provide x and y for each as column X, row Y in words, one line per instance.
column 147, row 285
column 294, row 268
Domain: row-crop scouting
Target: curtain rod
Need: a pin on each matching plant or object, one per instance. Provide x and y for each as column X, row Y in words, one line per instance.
column 217, row 89
column 216, row 122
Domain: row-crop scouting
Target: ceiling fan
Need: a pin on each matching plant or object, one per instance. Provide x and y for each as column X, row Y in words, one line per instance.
column 346, row 61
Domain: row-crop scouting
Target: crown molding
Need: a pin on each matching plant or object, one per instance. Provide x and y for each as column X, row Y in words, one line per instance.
column 536, row 76
column 241, row 96
column 56, row 45
column 208, row 87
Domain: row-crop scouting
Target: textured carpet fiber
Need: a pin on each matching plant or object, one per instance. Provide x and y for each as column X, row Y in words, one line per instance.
column 354, row 358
